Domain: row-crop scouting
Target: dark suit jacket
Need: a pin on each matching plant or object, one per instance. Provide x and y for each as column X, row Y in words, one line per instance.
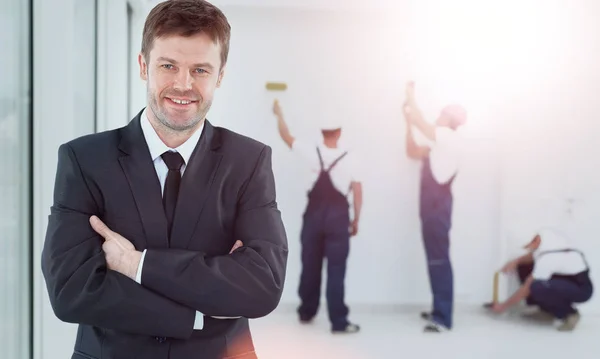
column 227, row 193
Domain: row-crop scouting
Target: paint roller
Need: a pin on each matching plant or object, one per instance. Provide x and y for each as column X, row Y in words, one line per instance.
column 495, row 291
column 277, row 87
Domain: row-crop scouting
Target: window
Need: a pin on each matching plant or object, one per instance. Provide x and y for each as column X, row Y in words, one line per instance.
column 15, row 179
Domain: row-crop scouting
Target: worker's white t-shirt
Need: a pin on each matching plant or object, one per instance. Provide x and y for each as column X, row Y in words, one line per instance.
column 560, row 263
column 343, row 174
column 445, row 152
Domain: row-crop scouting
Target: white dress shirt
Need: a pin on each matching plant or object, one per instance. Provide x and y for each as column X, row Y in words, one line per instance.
column 157, row 147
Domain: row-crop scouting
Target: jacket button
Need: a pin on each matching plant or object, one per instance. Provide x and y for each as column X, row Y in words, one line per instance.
column 160, row 339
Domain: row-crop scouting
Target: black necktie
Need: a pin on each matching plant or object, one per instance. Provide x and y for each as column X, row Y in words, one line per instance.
column 174, row 161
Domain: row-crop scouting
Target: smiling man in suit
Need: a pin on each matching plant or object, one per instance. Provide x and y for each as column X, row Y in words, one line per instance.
column 164, row 236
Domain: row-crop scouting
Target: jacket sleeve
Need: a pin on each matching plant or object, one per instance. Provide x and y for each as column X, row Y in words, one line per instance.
column 247, row 283
column 80, row 286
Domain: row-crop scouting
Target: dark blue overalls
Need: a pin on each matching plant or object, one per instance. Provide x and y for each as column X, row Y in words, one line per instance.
column 325, row 233
column 558, row 294
column 436, row 219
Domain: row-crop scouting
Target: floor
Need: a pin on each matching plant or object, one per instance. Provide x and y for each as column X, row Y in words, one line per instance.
column 397, row 334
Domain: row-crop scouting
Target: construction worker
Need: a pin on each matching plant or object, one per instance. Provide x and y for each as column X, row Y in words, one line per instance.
column 440, row 158
column 554, row 276
column 327, row 226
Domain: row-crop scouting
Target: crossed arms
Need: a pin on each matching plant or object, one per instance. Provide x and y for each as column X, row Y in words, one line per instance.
column 246, row 283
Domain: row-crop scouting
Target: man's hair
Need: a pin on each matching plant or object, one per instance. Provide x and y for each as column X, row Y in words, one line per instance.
column 186, row 18
column 331, row 133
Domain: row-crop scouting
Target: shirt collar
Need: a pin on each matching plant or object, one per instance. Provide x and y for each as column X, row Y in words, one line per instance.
column 157, row 147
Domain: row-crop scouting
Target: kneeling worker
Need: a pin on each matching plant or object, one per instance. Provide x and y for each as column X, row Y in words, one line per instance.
column 554, row 276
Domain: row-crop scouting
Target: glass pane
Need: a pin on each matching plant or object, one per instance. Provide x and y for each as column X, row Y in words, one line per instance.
column 85, row 67
column 15, row 179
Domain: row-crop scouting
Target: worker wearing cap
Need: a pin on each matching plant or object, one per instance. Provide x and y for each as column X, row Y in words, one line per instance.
column 440, row 161
column 327, row 227
column 554, row 276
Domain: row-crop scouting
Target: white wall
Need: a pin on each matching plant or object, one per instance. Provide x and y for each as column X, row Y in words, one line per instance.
column 342, row 64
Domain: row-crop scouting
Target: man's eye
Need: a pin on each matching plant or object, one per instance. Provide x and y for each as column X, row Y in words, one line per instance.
column 200, row 71
column 167, row 66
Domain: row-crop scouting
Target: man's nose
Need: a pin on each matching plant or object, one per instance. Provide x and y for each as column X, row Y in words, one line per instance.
column 183, row 81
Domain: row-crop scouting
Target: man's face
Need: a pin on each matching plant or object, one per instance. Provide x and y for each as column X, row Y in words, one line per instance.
column 182, row 74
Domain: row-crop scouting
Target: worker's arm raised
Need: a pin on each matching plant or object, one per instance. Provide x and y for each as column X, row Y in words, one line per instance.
column 413, row 150
column 284, row 131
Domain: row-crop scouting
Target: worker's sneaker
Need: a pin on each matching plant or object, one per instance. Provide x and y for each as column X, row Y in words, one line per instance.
column 434, row 327
column 569, row 323
column 426, row 316
column 348, row 329
column 305, row 319
column 538, row 315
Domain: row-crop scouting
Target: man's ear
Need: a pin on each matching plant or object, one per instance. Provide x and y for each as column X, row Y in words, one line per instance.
column 143, row 67
column 221, row 74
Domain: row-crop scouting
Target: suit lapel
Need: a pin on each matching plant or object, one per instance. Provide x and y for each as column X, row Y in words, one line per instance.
column 195, row 186
column 143, row 181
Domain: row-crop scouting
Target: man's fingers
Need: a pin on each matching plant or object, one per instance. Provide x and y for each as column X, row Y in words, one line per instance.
column 236, row 245
column 101, row 228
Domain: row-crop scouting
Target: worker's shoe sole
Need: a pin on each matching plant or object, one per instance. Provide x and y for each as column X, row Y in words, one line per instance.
column 434, row 327
column 349, row 329
column 569, row 323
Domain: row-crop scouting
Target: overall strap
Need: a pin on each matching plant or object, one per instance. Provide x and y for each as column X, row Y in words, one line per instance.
column 566, row 251
column 336, row 161
column 320, row 159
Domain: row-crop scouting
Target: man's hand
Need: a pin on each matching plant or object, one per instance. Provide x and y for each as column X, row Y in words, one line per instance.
column 353, row 228
column 410, row 104
column 119, row 252
column 236, row 245
column 499, row 308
